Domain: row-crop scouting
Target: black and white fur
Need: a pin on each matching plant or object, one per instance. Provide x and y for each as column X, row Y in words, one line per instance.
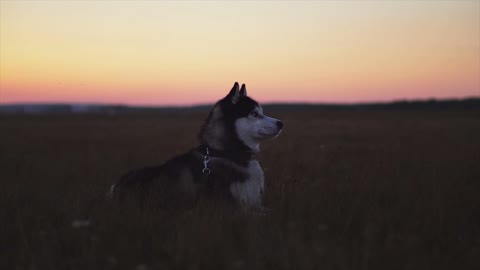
column 230, row 137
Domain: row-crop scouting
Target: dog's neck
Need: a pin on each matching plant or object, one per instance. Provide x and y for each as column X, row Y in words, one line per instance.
column 238, row 156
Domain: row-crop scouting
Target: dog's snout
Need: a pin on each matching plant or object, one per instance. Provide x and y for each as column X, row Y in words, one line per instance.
column 279, row 124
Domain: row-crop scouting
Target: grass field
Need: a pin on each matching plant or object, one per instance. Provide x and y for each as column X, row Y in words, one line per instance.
column 347, row 189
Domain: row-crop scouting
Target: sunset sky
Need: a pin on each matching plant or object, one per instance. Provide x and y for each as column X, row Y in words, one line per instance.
column 171, row 53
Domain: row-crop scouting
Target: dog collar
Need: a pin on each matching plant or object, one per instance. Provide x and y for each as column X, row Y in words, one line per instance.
column 241, row 157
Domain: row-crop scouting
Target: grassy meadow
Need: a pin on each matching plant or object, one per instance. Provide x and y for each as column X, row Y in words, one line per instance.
column 348, row 189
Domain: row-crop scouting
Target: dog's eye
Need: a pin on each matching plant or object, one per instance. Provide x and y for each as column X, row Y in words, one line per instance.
column 255, row 114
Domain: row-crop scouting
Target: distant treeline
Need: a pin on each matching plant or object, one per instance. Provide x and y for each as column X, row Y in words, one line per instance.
column 432, row 104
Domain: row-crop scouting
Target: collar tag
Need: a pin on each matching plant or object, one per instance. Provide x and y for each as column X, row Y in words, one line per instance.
column 206, row 160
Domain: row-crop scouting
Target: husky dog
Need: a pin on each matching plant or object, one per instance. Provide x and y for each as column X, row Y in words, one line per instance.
column 223, row 166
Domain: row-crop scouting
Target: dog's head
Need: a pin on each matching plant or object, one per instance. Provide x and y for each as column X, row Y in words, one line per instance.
column 237, row 122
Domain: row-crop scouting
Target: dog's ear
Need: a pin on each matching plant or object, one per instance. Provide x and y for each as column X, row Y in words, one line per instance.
column 234, row 94
column 243, row 90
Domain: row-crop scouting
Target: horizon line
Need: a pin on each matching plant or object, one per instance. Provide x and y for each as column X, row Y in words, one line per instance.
column 393, row 101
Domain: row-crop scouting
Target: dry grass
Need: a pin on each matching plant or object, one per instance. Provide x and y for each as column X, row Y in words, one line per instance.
column 349, row 190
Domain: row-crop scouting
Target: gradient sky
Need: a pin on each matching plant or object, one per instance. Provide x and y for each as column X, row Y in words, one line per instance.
column 152, row 52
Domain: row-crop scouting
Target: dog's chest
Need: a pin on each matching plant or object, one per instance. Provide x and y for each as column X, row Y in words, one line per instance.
column 249, row 192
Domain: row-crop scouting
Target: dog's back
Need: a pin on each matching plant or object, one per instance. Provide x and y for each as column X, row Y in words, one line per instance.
column 170, row 184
